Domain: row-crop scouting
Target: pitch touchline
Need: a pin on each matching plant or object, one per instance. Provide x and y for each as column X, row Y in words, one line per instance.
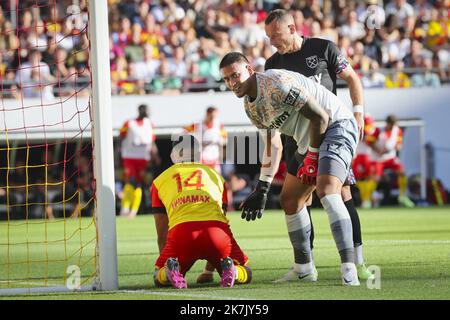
column 176, row 294
column 426, row 241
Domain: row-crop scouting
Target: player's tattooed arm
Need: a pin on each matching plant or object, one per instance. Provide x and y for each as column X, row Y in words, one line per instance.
column 318, row 118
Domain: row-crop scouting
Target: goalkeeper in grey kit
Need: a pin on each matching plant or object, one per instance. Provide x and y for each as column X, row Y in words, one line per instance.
column 326, row 132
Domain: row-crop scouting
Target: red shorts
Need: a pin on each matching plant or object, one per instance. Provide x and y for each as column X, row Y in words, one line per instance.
column 134, row 168
column 362, row 166
column 209, row 240
column 394, row 164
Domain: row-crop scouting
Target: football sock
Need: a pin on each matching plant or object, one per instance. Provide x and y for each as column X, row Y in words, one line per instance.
column 243, row 274
column 160, row 276
column 128, row 191
column 356, row 224
column 137, row 197
column 341, row 226
column 402, row 184
column 311, row 238
column 363, row 190
column 299, row 228
column 359, row 258
column 372, row 186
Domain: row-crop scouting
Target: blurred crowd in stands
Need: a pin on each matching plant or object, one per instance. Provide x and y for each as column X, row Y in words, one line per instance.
column 170, row 46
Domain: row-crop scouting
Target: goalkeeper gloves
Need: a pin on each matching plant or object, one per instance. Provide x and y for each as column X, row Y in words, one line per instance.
column 308, row 171
column 253, row 206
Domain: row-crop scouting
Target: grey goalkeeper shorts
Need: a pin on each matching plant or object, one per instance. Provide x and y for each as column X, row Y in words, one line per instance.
column 294, row 160
column 338, row 148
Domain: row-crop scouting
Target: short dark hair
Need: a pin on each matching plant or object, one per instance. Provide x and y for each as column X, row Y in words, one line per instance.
column 142, row 107
column 231, row 58
column 391, row 119
column 275, row 15
column 211, row 109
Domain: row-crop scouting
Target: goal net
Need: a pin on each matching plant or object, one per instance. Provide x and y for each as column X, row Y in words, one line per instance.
column 52, row 226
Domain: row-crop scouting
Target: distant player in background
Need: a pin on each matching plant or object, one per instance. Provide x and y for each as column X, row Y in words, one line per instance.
column 363, row 164
column 389, row 143
column 213, row 137
column 137, row 149
column 191, row 198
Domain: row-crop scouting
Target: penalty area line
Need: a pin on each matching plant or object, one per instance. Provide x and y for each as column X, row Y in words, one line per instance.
column 176, row 294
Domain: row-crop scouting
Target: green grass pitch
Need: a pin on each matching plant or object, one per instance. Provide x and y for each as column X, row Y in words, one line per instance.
column 410, row 246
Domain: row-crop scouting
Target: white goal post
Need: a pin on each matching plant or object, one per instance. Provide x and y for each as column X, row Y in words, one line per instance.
column 103, row 146
column 105, row 276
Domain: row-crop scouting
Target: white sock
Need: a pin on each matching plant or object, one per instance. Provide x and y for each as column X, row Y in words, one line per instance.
column 348, row 267
column 359, row 259
column 299, row 229
column 303, row 268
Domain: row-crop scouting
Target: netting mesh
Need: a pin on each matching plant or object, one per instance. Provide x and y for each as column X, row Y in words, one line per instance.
column 47, row 199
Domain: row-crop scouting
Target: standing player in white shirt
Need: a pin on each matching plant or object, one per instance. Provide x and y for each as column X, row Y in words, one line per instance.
column 137, row 149
column 326, row 132
column 212, row 135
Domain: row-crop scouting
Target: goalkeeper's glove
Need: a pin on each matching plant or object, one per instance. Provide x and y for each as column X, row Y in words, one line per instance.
column 308, row 171
column 253, row 206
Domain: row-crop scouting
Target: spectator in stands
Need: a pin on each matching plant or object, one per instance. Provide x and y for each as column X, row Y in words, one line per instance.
column 208, row 62
column 247, row 34
column 133, row 50
column 152, row 34
column 329, row 30
column 404, row 11
column 177, row 64
column 426, row 79
column 300, row 24
column 422, row 10
column 146, row 70
column 36, row 38
column 373, row 78
column 353, row 29
column 398, row 79
column 65, row 38
column 165, row 81
column 123, row 36
column 34, row 78
column 373, row 45
column 119, row 77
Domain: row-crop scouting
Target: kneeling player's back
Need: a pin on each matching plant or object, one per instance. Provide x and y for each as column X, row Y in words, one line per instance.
column 190, row 192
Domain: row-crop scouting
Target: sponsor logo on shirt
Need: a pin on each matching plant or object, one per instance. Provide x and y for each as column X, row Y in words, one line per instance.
column 278, row 122
column 292, row 96
column 312, row 62
column 190, row 199
column 317, row 78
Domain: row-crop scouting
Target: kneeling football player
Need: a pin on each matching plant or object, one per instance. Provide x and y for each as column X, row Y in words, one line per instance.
column 190, row 198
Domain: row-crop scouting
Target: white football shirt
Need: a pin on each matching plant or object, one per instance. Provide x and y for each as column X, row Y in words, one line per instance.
column 280, row 96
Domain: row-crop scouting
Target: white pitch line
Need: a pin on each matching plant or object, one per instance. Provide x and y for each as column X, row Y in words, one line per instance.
column 400, row 241
column 411, row 241
column 176, row 294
